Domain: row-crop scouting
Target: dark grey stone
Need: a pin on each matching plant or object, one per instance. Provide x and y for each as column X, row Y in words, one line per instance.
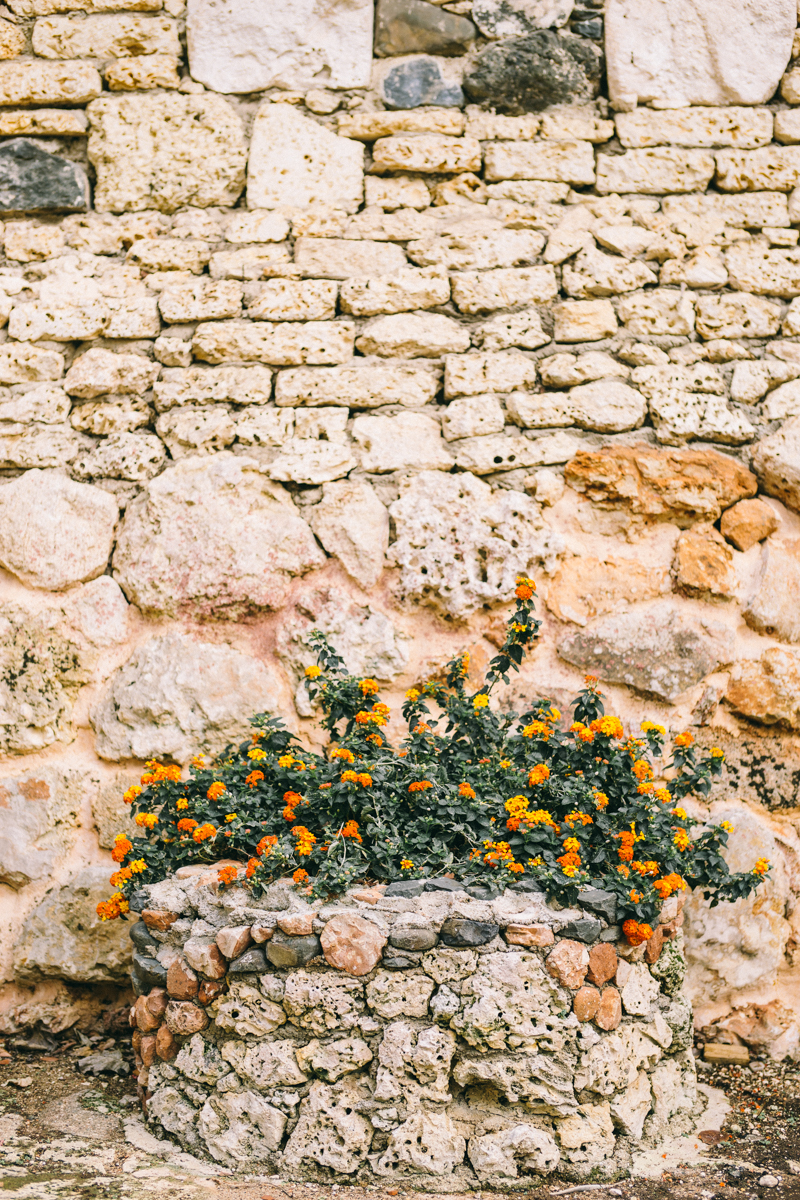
column 413, row 938
column 612, row 934
column 480, row 891
column 530, row 73
column 400, row 960
column 138, row 900
column 458, row 931
column 33, row 181
column 593, row 28
column 444, row 885
column 406, row 887
column 600, row 902
column 529, row 886
column 142, row 938
column 419, row 81
column 585, row 929
column 253, row 959
column 147, row 973
column 285, row 951
column 416, row 27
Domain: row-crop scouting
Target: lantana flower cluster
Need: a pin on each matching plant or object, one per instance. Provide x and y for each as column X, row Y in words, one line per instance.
column 529, row 799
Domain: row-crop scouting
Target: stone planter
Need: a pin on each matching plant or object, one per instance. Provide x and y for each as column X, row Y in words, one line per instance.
column 448, row 1039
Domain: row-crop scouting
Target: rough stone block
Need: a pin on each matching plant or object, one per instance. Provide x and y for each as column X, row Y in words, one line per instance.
column 474, row 374
column 427, row 154
column 370, row 126
column 146, row 71
column 119, row 36
column 584, row 321
column 744, row 128
column 737, row 315
column 748, row 522
column 201, row 300
column 28, row 81
column 655, row 171
column 285, row 344
column 368, row 383
column 772, row 168
column 397, row 443
column 499, row 19
column 335, row 259
column 34, row 181
column 533, row 72
column 293, row 300
column 485, row 291
column 565, row 162
column 413, row 335
column 409, row 289
column 413, row 80
column 296, row 162
column 416, row 27
column 49, row 122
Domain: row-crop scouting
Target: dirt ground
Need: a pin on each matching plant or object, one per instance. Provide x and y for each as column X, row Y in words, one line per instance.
column 67, row 1133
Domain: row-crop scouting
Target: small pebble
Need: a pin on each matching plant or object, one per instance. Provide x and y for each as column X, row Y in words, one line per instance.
column 769, row 1181
column 20, row 1083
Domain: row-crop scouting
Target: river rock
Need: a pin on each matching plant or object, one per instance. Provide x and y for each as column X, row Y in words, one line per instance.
column 419, row 80
column 253, row 960
column 584, row 929
column 459, row 931
column 416, row 27
column 527, row 74
column 602, row 964
column 286, row 951
column 352, row 944
column 34, row 181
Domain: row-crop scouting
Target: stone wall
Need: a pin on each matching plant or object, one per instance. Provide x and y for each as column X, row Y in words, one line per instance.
column 415, row 1030
column 351, row 347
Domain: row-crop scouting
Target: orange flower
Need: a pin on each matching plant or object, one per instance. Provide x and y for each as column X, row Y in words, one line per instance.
column 300, row 876
column 313, row 672
column 684, row 739
column 420, row 785
column 146, row 820
column 368, row 687
column 342, row 753
column 204, row 832
column 292, row 799
column 583, row 732
column 537, row 729
column 266, row 844
column 350, row 830
column 121, row 847
column 216, row 790
column 538, row 774
column 464, row 789
column 288, row 814
column 609, row 726
column 525, row 588
column 364, row 779
column 252, row 866
column 132, row 793
column 761, row 867
column 600, row 800
column 348, row 777
column 636, row 933
column 186, row 825
column 227, row 875
column 253, row 778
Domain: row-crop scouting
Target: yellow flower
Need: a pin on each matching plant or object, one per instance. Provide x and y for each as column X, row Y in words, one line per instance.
column 572, row 844
column 651, row 727
column 681, row 839
column 137, row 866
column 406, row 864
column 313, row 672
column 146, row 820
column 368, row 687
column 726, row 825
column 761, row 867
column 231, row 816
column 505, row 763
column 412, row 694
column 680, row 813
column 285, row 760
column 181, row 804
column 256, row 754
column 716, row 752
column 480, row 701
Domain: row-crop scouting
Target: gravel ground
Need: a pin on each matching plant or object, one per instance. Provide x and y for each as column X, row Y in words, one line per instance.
column 68, row 1134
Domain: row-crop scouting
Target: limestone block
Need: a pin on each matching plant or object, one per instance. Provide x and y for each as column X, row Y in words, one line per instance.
column 240, row 1128
column 368, row 383
column 576, row 122
column 588, row 1135
column 737, row 315
column 306, row 460
column 584, row 588
column 705, row 268
column 258, row 225
column 771, row 609
column 486, row 455
column 660, row 311
column 399, row 994
column 50, row 122
column 255, row 540
column 750, row 210
column 397, row 443
column 26, row 241
column 688, row 402
column 787, row 126
column 242, row 1009
column 427, row 1142
column 201, row 300
column 414, row 1063
column 293, row 300
column 407, row 26
column 522, row 329
column 496, row 20
column 459, row 545
column 400, row 191
column 607, row 406
column 472, row 416
column 584, row 321
column 561, row 162
column 764, row 271
column 568, row 370
column 736, row 56
column 285, row 344
column 252, row 262
column 593, row 273
column 353, row 525
column 474, row 374
column 45, row 404
column 147, row 71
column 202, row 385
column 40, row 821
column 657, row 650
column 748, row 522
column 653, row 172
column 506, row 993
column 776, row 462
column 321, row 1004
column 409, row 289
column 427, row 154
column 305, row 45
column 497, row 1154
column 775, row 168
column 195, row 429
column 330, row 1131
column 27, row 81
column 766, row 690
column 170, row 254
column 41, row 446
column 413, row 335
column 97, row 372
column 54, row 532
column 744, row 128
column 295, row 161
column 331, row 258
column 12, row 40
column 369, row 126
column 479, row 249
column 174, row 696
column 119, row 36
column 264, row 427
column 484, row 291
column 63, row 938
column 265, row 1064
column 490, row 126
column 164, row 151
column 629, row 1109
column 704, row 565
column 126, row 455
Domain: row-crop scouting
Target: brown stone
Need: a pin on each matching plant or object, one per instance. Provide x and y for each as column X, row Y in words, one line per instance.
column 166, row 1046
column 136, row 1041
column 568, row 963
column 586, row 1003
column 685, row 485
column 602, row 963
column 157, row 1001
column 181, row 981
column 184, row 1018
column 584, row 587
column 233, row 940
column 370, row 895
column 210, row 989
column 352, row 944
column 146, row 1022
column 206, row 958
column 529, row 935
column 159, row 918
column 261, row 933
column 718, row 1052
column 609, row 1014
column 297, row 924
column 654, row 946
column 143, row 1077
column 748, row 522
column 767, row 690
column 132, row 1017
column 704, row 563
column 148, row 1051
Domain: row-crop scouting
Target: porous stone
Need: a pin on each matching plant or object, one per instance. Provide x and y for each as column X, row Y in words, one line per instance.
column 305, row 45
column 28, row 81
column 413, row 335
column 427, row 154
column 332, row 258
column 500, row 1155
column 414, row 26
column 586, row 587
column 733, row 57
column 332, row 1060
column 352, row 944
column 770, row 608
column 126, row 455
column 35, row 181
column 203, row 385
column 353, row 525
column 485, row 291
column 660, row 311
column 529, row 73
column 776, row 462
column 748, row 522
column 254, row 539
column 561, row 162
column 165, row 150
column 568, row 963
column 593, row 273
column 39, row 824
column 704, row 563
column 772, row 168
column 472, row 416
column 503, row 20
column 103, row 36
column 737, row 315
column 766, row 690
column 584, row 321
column 295, row 161
column 329, row 1131
column 97, row 372
column 745, row 128
column 409, row 289
column 480, row 246
column 184, row 1018
column 147, row 71
column 396, row 443
column 654, row 171
column 369, row 126
column 585, row 1003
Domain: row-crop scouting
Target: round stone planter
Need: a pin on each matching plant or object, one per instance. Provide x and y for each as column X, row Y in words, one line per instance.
column 453, row 1040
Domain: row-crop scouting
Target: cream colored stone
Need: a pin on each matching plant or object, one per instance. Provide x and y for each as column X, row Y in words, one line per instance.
column 367, row 383
column 257, row 225
column 736, row 315
column 593, row 273
column 473, row 374
column 585, row 588
column 285, row 344
column 135, row 457
column 571, row 122
column 26, row 81
column 164, row 151
column 12, row 40
column 482, row 248
column 607, row 406
column 407, row 290
column 560, row 162
column 334, row 259
column 400, row 191
column 660, row 311
column 627, row 240
column 397, row 443
column 148, row 71
column 170, row 254
column 767, row 272
column 195, row 429
column 309, row 461
column 584, row 321
column 427, row 153
column 749, row 210
column 653, row 172
column 110, row 415
column 522, row 329
column 787, row 126
column 253, row 262
column 201, row 300
column 497, row 1154
column 472, row 416
column 50, row 122
column 486, row 455
column 774, row 168
column 119, row 36
column 569, row 370
column 775, row 462
column 97, row 372
column 262, row 426
column 484, row 291
column 744, row 128
column 29, row 364
column 61, row 323
column 26, row 241
column 752, row 380
column 688, row 402
column 413, row 335
column 296, row 161
column 293, row 300
column 322, row 424
column 539, row 410
column 43, row 403
column 370, row 126
column 353, row 525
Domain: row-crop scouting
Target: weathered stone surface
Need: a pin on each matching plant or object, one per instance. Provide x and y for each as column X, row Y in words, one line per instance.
column 568, row 963
column 776, row 462
column 748, row 522
column 584, row 321
column 335, row 259
column 771, row 168
column 684, row 484
column 245, row 1011
column 638, row 988
column 352, row 944
column 529, row 935
column 304, row 45
column 530, row 73
column 409, row 289
column 593, row 273
column 40, row 815
column 119, row 36
column 472, row 416
column 165, row 150
column 653, row 172
column 198, row 385
column 660, row 311
column 284, row 950
column 425, row 1142
column 329, row 1131
column 478, row 246
column 602, row 964
column 183, row 1018
column 97, row 372
column 458, row 545
column 287, row 343
column 474, row 374
column 485, row 291
column 736, row 315
column 502, row 1154
column 28, row 81
column 233, row 940
column 503, row 20
column 561, row 162
column 660, row 651
column 334, row 1059
column 771, row 608
column 692, row 53
column 414, row 26
column 745, row 128
column 397, row 443
column 585, row 587
column 322, row 1003
column 54, row 532
column 147, row 71
column 182, row 982
column 585, row 1003
column 353, row 525
column 462, row 932
column 34, row 181
column 427, row 153
column 53, row 941
column 175, row 696
column 295, row 161
column 704, row 563
column 413, row 335
column 369, row 126
column 368, row 383
column 609, row 1013
column 254, row 540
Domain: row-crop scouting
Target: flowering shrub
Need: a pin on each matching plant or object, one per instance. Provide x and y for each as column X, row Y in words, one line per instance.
column 487, row 796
